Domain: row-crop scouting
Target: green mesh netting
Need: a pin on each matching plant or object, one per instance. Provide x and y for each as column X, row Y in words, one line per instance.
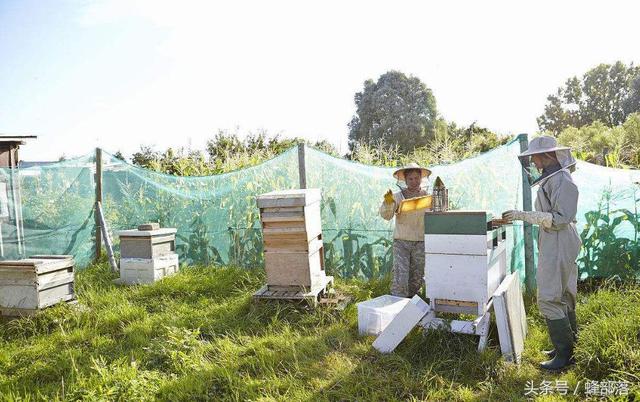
column 218, row 222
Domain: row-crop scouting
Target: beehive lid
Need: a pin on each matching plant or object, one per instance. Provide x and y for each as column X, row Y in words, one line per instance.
column 289, row 198
column 38, row 265
column 456, row 222
column 146, row 233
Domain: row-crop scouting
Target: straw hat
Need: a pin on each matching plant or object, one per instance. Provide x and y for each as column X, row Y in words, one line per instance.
column 399, row 174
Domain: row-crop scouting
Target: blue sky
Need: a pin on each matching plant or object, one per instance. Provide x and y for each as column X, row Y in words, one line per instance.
column 119, row 74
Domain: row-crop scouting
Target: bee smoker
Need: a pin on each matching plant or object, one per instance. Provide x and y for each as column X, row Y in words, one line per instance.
column 440, row 196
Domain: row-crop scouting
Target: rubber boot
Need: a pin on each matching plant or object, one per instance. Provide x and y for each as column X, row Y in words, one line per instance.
column 561, row 336
column 574, row 327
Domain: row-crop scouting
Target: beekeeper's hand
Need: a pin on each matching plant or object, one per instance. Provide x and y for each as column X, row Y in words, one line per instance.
column 513, row 215
column 388, row 198
column 544, row 219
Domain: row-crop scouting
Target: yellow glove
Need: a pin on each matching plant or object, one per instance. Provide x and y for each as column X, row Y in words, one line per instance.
column 388, row 198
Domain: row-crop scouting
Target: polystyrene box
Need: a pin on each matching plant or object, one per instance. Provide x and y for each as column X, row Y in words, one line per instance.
column 374, row 315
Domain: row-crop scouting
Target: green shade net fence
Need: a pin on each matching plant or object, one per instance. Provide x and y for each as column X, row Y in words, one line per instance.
column 218, row 222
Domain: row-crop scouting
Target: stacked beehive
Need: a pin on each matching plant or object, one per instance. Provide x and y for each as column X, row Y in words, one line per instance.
column 29, row 285
column 147, row 254
column 465, row 260
column 292, row 234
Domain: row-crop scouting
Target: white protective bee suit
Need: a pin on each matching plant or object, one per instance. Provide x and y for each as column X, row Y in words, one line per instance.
column 558, row 244
column 558, row 240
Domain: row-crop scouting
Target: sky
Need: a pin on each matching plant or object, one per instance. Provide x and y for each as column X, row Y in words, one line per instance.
column 121, row 74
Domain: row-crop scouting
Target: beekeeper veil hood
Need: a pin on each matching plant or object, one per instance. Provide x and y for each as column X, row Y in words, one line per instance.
column 546, row 145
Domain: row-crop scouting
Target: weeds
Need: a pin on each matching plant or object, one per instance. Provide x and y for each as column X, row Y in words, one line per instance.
column 198, row 336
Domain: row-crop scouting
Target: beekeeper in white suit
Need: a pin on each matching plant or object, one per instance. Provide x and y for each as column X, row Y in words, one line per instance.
column 549, row 166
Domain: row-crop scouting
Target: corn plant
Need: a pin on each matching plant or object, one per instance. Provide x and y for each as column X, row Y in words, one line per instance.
column 605, row 252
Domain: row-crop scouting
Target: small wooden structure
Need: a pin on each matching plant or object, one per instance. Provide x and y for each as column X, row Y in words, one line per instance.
column 465, row 262
column 293, row 248
column 147, row 256
column 11, row 226
column 31, row 284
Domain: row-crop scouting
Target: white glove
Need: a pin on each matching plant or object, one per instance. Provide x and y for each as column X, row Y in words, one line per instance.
column 513, row 215
column 544, row 219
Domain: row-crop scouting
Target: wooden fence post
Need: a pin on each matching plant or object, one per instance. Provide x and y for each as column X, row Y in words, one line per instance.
column 302, row 169
column 529, row 269
column 98, row 180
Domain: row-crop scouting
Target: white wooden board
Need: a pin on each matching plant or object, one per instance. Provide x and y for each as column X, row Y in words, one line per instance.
column 455, row 244
column 456, row 277
column 461, row 277
column 511, row 319
column 143, row 270
column 401, row 325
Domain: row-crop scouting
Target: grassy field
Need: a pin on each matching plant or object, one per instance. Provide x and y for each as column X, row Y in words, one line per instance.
column 198, row 336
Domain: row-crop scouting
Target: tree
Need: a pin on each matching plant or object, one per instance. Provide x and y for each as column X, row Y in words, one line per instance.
column 632, row 103
column 145, row 156
column 396, row 110
column 605, row 93
column 598, row 143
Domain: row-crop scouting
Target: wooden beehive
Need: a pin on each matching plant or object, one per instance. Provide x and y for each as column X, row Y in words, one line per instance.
column 292, row 235
column 147, row 256
column 31, row 284
column 147, row 243
column 465, row 260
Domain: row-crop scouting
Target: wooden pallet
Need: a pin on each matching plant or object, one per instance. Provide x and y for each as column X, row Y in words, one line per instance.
column 294, row 292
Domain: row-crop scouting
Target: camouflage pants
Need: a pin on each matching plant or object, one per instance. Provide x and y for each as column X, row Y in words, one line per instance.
column 408, row 267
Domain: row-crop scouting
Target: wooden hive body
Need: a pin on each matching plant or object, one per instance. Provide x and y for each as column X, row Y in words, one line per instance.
column 29, row 285
column 292, row 235
column 147, row 255
column 147, row 243
column 465, row 261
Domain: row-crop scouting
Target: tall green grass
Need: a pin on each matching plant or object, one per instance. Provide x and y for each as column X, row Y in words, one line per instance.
column 198, row 336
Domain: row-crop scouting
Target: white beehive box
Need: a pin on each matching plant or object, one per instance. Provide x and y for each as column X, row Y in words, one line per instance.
column 134, row 271
column 374, row 315
column 29, row 285
column 292, row 236
column 147, row 256
column 465, row 260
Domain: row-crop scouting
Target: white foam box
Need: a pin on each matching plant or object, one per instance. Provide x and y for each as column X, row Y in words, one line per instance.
column 374, row 315
column 31, row 284
column 401, row 325
column 135, row 271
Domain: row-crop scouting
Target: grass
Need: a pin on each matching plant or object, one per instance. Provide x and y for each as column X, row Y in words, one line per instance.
column 198, row 336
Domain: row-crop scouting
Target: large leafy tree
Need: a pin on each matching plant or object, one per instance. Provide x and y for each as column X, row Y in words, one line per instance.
column 605, row 93
column 632, row 103
column 396, row 110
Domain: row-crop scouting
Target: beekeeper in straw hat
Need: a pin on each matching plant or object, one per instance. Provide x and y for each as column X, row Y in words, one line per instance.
column 549, row 167
column 408, row 236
